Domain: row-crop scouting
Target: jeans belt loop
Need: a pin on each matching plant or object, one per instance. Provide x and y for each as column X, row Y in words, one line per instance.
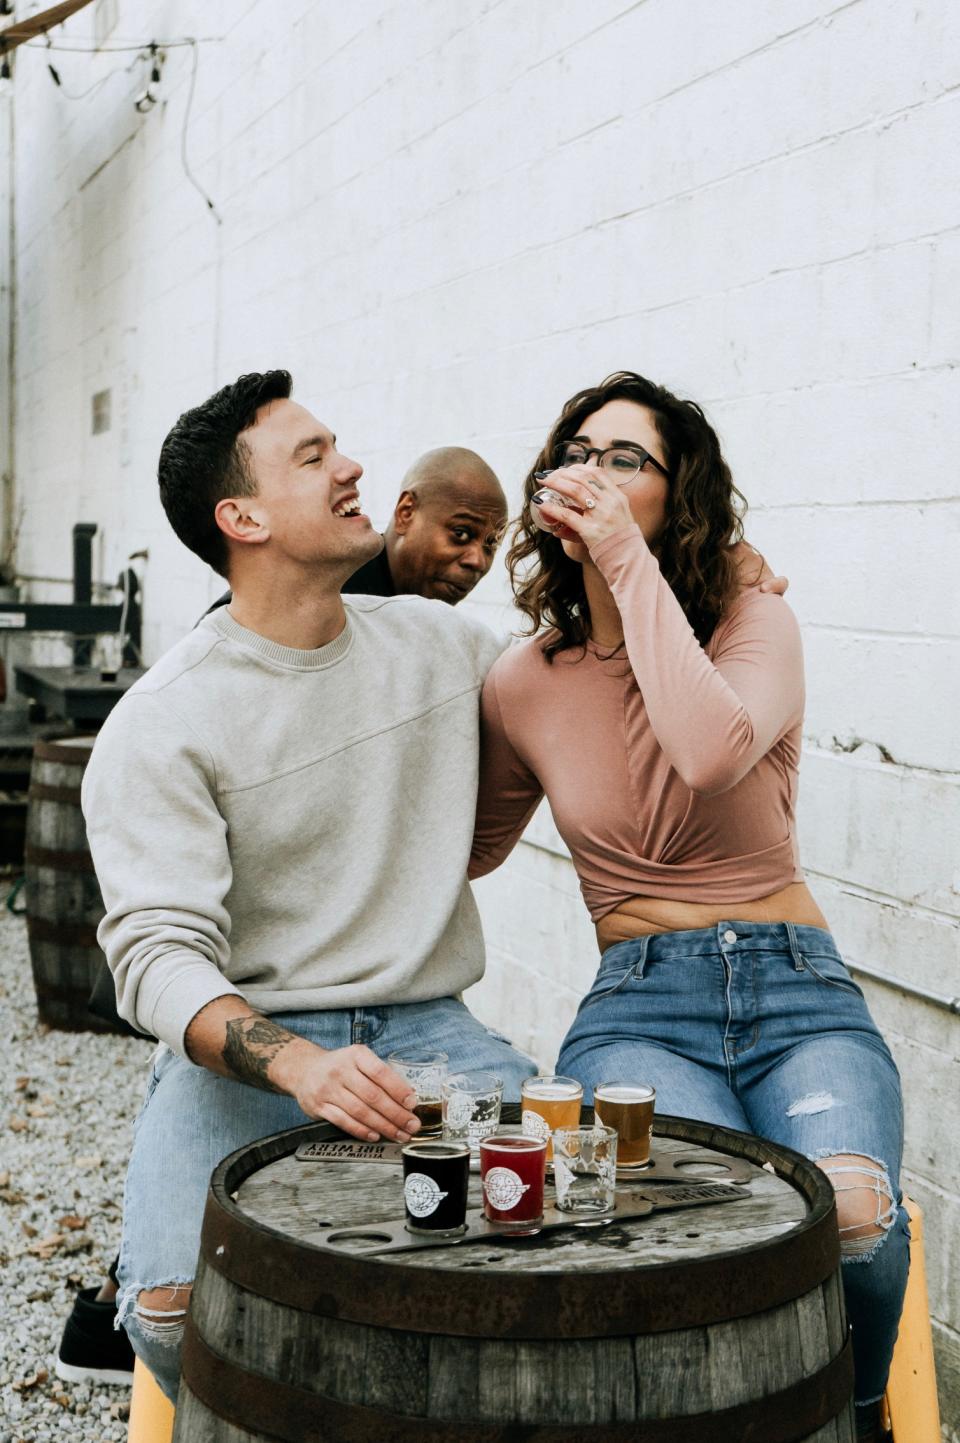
column 641, row 961
column 795, row 952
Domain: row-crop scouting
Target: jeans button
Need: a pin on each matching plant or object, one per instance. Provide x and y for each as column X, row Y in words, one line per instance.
column 729, row 935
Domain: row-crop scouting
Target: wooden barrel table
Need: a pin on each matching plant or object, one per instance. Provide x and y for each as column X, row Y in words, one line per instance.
column 63, row 901
column 719, row 1324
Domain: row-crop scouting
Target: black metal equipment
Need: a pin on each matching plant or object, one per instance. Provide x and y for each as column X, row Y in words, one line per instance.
column 80, row 692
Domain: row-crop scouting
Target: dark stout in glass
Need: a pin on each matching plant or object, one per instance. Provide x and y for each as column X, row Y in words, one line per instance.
column 435, row 1179
column 430, row 1114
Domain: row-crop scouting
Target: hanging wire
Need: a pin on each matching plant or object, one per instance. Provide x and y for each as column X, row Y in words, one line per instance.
column 146, row 51
column 183, row 137
column 82, row 94
column 121, row 49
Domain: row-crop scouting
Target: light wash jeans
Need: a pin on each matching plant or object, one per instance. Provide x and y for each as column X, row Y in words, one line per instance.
column 760, row 1027
column 191, row 1119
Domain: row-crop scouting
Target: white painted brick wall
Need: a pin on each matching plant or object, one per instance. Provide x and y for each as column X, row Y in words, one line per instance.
column 444, row 219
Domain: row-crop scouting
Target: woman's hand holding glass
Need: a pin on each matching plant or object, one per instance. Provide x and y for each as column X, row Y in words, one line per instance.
column 597, row 506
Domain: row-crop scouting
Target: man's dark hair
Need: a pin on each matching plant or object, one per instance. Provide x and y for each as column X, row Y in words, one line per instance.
column 204, row 459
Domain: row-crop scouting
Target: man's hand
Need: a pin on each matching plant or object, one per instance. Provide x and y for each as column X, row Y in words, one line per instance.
column 349, row 1086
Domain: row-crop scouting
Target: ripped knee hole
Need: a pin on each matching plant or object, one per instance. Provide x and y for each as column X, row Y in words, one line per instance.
column 865, row 1206
column 164, row 1306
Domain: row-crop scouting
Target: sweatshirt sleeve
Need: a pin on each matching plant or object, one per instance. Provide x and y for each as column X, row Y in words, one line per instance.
column 714, row 718
column 159, row 845
column 509, row 792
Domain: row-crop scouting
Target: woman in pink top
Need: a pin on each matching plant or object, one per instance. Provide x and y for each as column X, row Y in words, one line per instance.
column 660, row 713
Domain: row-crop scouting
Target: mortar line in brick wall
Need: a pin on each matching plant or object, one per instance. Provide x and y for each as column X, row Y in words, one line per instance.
column 785, row 38
column 876, row 122
column 942, row 1192
column 863, row 381
column 887, row 899
column 813, row 744
column 617, row 218
column 279, row 158
column 680, row 195
column 894, row 503
column 878, row 631
column 909, row 989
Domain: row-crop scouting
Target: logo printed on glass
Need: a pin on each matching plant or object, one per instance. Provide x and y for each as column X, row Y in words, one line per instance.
column 562, row 1175
column 534, row 1125
column 504, row 1188
column 422, row 1195
column 459, row 1109
column 477, row 1129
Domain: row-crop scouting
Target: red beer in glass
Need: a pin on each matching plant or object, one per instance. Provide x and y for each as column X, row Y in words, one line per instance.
column 512, row 1167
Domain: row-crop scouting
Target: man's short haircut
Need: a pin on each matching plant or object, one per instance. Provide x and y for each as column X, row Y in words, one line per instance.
column 204, row 459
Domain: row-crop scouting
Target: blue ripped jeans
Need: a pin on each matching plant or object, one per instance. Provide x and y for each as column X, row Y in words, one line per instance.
column 191, row 1119
column 760, row 1027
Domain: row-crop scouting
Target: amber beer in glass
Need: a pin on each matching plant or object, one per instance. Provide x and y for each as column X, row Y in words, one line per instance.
column 512, row 1168
column 549, row 1103
column 628, row 1107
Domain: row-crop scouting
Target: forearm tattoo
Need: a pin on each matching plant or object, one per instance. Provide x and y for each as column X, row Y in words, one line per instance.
column 251, row 1045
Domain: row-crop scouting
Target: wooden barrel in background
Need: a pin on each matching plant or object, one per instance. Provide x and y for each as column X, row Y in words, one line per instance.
column 719, row 1324
column 63, row 901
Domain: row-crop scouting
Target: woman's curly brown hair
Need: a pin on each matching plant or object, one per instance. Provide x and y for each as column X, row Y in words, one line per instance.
column 704, row 520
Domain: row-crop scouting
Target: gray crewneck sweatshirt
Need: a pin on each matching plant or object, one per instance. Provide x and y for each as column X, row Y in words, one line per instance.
column 293, row 826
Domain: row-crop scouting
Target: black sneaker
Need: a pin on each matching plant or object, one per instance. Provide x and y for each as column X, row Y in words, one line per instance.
column 91, row 1349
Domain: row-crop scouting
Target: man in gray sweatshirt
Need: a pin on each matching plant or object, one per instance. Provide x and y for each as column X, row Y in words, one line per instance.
column 280, row 813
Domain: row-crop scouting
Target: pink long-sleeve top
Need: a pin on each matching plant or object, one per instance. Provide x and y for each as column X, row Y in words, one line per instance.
column 671, row 771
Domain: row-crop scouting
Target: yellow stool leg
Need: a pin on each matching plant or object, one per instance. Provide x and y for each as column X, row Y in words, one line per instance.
column 151, row 1412
column 911, row 1399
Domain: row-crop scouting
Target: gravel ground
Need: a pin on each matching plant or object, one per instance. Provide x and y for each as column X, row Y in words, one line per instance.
column 68, row 1104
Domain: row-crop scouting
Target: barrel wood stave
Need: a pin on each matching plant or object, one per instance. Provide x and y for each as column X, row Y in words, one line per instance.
column 63, row 902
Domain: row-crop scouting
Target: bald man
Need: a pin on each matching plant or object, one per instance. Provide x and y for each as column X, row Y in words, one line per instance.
column 444, row 532
column 445, row 529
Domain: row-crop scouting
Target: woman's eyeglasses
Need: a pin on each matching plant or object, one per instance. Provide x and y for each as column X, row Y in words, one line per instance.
column 621, row 463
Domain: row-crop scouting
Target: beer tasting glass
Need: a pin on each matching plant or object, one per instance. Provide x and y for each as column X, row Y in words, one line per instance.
column 435, row 1178
column 471, row 1107
column 425, row 1072
column 585, row 1168
column 512, row 1169
column 628, row 1107
column 549, row 1103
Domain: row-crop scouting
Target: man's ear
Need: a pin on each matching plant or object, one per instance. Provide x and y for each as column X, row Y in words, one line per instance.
column 241, row 520
column 404, row 512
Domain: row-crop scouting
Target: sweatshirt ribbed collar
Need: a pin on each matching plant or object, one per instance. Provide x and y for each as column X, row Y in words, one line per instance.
column 297, row 658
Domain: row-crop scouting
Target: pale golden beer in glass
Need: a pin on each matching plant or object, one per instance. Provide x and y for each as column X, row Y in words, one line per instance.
column 548, row 1103
column 628, row 1107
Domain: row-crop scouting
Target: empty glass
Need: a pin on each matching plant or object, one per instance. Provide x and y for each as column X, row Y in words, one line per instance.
column 585, row 1168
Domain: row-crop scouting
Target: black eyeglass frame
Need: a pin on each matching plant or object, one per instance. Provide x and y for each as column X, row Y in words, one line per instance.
column 606, row 450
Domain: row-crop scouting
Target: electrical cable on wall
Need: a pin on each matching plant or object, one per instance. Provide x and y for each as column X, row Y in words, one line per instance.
column 82, row 94
column 152, row 51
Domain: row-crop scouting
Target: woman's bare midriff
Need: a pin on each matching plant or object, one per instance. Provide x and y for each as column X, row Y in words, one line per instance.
column 645, row 916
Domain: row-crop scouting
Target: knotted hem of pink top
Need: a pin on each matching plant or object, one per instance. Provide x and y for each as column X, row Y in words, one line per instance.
column 758, row 875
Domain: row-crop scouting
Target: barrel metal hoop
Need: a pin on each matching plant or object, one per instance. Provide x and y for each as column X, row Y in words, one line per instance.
column 42, row 792
column 278, row 1410
column 69, row 934
column 651, row 1298
column 60, row 992
column 68, row 751
column 35, row 856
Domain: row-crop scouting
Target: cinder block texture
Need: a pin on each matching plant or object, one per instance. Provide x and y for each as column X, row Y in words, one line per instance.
column 446, row 218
